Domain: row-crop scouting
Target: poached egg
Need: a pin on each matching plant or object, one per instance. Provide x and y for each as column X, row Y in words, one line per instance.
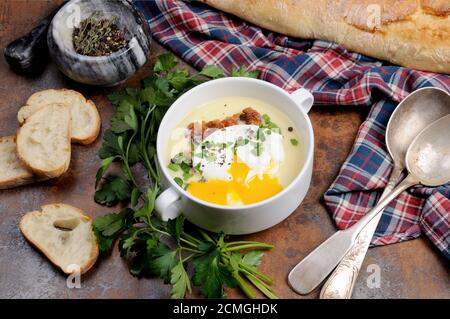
column 238, row 165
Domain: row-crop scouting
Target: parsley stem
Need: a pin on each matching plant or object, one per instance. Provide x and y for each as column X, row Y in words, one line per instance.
column 125, row 162
column 255, row 278
column 241, row 242
column 191, row 238
column 188, row 257
column 254, row 271
column 191, row 250
column 149, row 223
column 249, row 246
column 249, row 292
column 158, row 172
column 149, row 167
column 267, row 291
column 188, row 242
column 144, row 140
column 205, row 235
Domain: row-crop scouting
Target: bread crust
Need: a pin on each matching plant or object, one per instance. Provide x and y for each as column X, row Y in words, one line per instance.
column 410, row 33
column 94, row 251
column 94, row 134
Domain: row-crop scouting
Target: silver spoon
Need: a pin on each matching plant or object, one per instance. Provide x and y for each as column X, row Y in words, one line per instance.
column 411, row 116
column 427, row 162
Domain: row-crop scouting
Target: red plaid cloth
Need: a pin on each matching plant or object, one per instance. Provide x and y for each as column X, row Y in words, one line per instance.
column 335, row 76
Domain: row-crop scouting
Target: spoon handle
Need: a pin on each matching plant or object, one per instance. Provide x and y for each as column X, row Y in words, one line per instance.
column 409, row 181
column 341, row 282
column 314, row 268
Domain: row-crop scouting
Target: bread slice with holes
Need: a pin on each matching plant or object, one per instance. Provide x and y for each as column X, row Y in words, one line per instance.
column 12, row 172
column 85, row 117
column 63, row 233
column 43, row 141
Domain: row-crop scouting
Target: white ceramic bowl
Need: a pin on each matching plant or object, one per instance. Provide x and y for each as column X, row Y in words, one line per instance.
column 246, row 219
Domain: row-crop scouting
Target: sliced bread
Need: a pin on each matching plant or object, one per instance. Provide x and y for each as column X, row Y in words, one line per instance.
column 63, row 233
column 12, row 172
column 43, row 141
column 85, row 117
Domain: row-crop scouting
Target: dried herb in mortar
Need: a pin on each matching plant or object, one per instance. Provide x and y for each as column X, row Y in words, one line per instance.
column 97, row 36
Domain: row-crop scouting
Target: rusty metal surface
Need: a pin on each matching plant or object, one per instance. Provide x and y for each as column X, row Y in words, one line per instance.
column 412, row 269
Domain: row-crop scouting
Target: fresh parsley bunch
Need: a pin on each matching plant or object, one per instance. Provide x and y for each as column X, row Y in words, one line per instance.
column 152, row 247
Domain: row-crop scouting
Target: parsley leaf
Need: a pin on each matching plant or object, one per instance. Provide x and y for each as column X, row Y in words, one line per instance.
column 155, row 96
column 104, row 242
column 180, row 80
column 180, row 281
column 213, row 72
column 165, row 62
column 163, row 260
column 211, row 275
column 125, row 118
column 294, row 141
column 243, row 72
column 175, row 227
column 135, row 194
column 103, row 168
column 118, row 96
column 110, row 146
column 253, row 258
column 109, row 225
column 113, row 190
column 147, row 209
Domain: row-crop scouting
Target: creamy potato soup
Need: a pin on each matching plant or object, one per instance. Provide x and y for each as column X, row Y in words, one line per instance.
column 235, row 151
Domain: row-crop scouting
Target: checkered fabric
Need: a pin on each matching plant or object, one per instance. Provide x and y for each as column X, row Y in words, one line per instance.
column 201, row 36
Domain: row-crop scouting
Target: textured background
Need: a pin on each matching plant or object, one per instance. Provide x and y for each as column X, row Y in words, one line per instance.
column 409, row 270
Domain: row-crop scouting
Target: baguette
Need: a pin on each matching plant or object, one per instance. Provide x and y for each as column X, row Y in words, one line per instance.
column 84, row 113
column 411, row 33
column 63, row 233
column 43, row 142
column 12, row 172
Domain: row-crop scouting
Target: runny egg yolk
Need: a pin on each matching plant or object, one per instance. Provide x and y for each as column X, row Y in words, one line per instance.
column 238, row 191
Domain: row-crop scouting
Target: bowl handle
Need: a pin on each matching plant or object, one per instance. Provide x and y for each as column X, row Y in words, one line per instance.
column 166, row 204
column 303, row 98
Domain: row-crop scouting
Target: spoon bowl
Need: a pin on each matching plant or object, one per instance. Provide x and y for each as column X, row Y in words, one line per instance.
column 412, row 115
column 428, row 157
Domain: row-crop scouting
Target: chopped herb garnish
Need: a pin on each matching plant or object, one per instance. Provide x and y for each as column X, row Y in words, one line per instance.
column 268, row 124
column 187, row 175
column 294, row 141
column 260, row 136
column 242, row 142
column 198, row 168
column 257, row 151
column 174, row 167
column 185, row 167
column 179, row 181
column 179, row 158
